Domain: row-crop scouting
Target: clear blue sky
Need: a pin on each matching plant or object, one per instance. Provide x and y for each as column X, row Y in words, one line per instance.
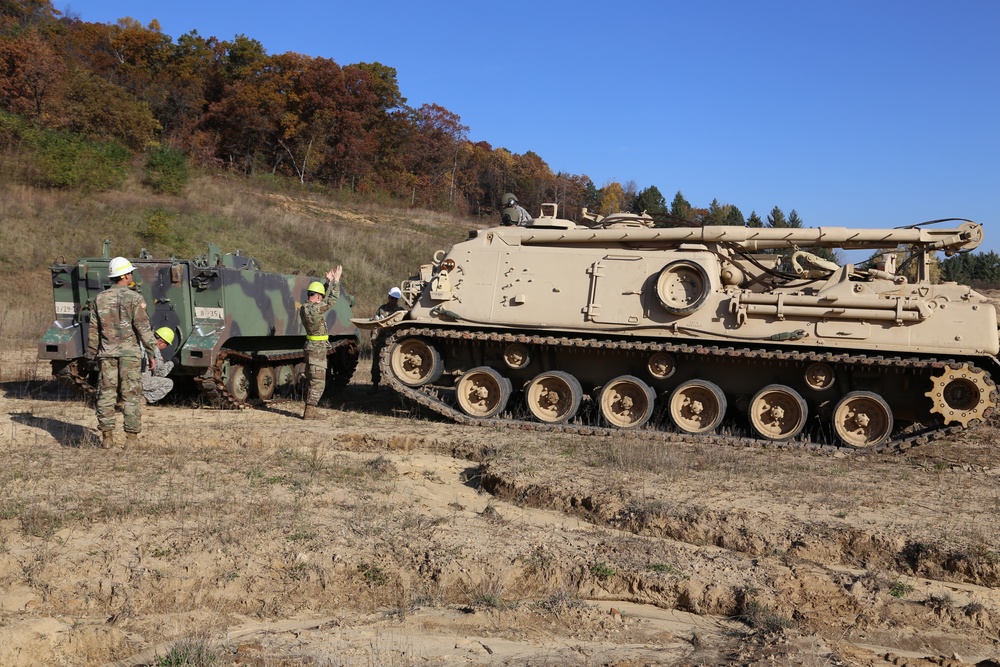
column 851, row 112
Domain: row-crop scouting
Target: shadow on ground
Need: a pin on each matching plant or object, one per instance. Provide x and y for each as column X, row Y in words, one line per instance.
column 42, row 390
column 65, row 433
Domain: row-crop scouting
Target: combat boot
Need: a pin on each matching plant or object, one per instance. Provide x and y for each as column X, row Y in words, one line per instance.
column 312, row 412
column 107, row 439
column 131, row 440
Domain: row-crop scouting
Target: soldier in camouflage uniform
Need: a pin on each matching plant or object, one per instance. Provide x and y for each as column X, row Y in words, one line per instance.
column 378, row 334
column 313, row 314
column 119, row 324
column 155, row 383
column 513, row 213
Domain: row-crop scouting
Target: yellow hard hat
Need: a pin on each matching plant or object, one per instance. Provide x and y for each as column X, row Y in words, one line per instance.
column 167, row 334
column 119, row 266
column 317, row 287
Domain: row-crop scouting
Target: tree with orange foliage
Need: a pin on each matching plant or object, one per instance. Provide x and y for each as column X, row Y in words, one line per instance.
column 30, row 74
column 332, row 106
column 248, row 116
column 17, row 16
column 612, row 198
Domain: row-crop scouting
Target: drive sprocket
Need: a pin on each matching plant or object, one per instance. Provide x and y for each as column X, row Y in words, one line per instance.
column 961, row 393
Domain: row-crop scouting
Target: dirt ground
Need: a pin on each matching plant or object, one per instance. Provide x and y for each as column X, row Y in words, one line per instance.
column 383, row 536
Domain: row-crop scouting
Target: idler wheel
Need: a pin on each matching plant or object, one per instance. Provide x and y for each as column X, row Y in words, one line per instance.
column 778, row 412
column 554, row 397
column 862, row 419
column 415, row 363
column 627, row 402
column 482, row 392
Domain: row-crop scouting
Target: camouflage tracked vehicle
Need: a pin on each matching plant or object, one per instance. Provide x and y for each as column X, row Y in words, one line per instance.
column 707, row 333
column 239, row 336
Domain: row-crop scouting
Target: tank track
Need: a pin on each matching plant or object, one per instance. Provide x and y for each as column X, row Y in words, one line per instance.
column 427, row 397
column 213, row 387
column 70, row 376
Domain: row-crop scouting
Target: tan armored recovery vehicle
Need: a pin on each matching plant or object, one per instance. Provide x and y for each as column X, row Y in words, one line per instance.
column 699, row 332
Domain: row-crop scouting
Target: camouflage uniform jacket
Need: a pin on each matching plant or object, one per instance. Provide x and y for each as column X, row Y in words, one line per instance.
column 385, row 310
column 118, row 324
column 313, row 314
column 156, row 384
column 163, row 368
column 515, row 215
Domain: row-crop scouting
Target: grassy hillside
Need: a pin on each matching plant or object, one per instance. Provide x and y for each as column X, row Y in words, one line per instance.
column 285, row 228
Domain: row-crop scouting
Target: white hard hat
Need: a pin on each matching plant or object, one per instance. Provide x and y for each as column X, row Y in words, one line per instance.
column 394, row 292
column 119, row 266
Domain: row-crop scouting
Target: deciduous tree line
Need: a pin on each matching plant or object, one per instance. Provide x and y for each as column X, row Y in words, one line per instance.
column 228, row 103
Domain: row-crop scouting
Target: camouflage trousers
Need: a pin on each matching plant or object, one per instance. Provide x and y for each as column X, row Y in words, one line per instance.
column 315, row 370
column 155, row 387
column 121, row 377
column 377, row 346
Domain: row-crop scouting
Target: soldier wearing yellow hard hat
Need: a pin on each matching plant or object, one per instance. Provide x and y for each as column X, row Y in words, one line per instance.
column 155, row 383
column 166, row 334
column 319, row 299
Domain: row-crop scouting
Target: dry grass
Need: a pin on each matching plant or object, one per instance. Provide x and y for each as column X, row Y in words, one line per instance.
column 294, row 505
column 267, row 487
column 286, row 230
column 665, row 481
column 20, row 368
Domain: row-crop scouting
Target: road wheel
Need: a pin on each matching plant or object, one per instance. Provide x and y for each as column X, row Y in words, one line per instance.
column 482, row 392
column 697, row 406
column 284, row 379
column 554, row 397
column 236, row 380
column 862, row 419
column 626, row 402
column 265, row 383
column 777, row 412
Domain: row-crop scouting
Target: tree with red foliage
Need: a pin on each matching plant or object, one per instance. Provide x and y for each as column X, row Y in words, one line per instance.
column 431, row 155
column 30, row 74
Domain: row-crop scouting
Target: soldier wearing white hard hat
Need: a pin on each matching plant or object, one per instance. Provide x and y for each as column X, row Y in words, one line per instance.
column 378, row 338
column 118, row 336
